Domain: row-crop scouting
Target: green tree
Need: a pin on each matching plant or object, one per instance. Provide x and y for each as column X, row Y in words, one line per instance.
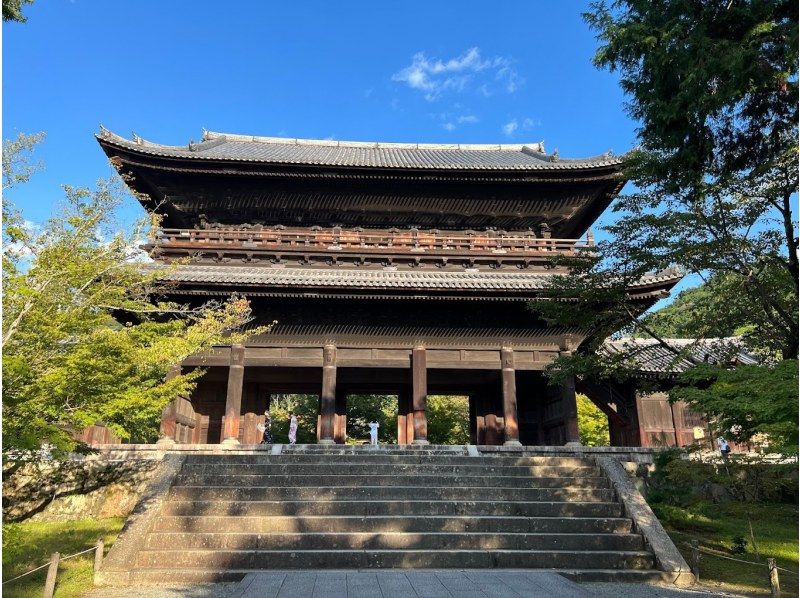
column 714, row 88
column 746, row 401
column 592, row 423
column 12, row 10
column 305, row 407
column 448, row 419
column 362, row 409
column 83, row 341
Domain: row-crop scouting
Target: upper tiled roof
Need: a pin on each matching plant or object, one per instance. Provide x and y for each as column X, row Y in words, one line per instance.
column 650, row 356
column 279, row 150
column 352, row 278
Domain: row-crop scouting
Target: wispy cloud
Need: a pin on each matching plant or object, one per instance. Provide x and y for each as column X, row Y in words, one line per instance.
column 510, row 127
column 452, row 120
column 516, row 125
column 433, row 76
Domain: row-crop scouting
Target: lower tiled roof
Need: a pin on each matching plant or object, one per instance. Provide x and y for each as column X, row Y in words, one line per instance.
column 650, row 356
column 353, row 278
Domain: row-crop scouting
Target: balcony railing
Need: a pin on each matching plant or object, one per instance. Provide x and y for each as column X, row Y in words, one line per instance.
column 359, row 241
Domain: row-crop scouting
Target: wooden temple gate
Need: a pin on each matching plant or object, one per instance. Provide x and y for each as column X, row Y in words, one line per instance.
column 390, row 268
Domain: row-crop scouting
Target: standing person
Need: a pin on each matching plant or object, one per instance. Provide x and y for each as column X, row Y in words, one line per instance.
column 267, row 438
column 724, row 447
column 292, row 428
column 373, row 433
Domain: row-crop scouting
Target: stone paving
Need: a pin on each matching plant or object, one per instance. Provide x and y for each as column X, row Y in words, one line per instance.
column 474, row 583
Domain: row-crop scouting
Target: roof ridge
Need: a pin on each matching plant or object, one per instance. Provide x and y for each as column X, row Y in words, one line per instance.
column 537, row 147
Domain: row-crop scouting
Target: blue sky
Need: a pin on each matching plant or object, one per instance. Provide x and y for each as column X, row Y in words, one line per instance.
column 386, row 71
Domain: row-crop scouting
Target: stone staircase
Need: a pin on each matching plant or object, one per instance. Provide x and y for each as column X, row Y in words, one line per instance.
column 316, row 507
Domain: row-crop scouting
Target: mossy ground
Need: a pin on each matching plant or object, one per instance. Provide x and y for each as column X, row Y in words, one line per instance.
column 28, row 544
column 716, row 525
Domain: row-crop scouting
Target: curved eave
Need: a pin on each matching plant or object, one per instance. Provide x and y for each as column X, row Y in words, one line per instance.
column 182, row 158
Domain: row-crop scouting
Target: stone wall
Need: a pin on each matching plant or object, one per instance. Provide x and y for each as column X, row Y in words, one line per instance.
column 74, row 489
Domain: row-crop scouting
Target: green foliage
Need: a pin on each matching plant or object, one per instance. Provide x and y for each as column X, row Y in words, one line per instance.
column 305, row 407
column 746, row 401
column 83, row 341
column 12, row 10
column 448, row 419
column 714, row 88
column 715, row 525
column 682, row 482
column 592, row 423
column 29, row 544
column 738, row 545
column 362, row 409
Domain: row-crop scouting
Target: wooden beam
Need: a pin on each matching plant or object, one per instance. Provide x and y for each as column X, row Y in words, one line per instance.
column 509, row 379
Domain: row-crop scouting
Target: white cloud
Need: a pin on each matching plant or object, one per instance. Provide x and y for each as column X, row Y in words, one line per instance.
column 516, row 125
column 432, row 77
column 451, row 120
column 510, row 127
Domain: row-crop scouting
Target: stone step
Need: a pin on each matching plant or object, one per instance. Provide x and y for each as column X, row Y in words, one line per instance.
column 371, row 559
column 410, row 459
column 144, row 577
column 476, row 468
column 382, row 493
column 334, row 480
column 391, row 541
column 195, row 506
column 380, row 524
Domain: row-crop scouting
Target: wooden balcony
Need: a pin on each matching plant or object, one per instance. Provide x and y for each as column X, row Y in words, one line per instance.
column 408, row 242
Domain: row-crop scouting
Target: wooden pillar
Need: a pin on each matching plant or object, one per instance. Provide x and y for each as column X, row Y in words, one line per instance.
column 340, row 417
column 409, row 417
column 491, row 434
column 509, row 378
column 419, row 394
column 473, row 419
column 402, row 416
column 328, row 395
column 166, row 432
column 569, row 408
column 233, row 400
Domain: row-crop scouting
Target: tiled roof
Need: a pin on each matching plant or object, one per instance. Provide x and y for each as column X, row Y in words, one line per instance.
column 354, row 278
column 351, row 278
column 279, row 150
column 650, row 356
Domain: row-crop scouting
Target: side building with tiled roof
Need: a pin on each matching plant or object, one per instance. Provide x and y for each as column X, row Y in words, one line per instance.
column 638, row 408
column 394, row 268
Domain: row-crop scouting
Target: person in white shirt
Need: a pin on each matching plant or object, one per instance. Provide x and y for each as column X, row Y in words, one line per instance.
column 373, row 433
column 724, row 447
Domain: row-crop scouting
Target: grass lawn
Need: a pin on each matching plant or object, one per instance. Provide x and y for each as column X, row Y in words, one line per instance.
column 716, row 525
column 27, row 545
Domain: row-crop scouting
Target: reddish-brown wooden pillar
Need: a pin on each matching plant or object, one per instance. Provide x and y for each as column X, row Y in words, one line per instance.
column 409, row 417
column 340, row 417
column 233, row 400
column 166, row 433
column 402, row 416
column 419, row 394
column 569, row 406
column 328, row 395
column 509, row 377
column 473, row 419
